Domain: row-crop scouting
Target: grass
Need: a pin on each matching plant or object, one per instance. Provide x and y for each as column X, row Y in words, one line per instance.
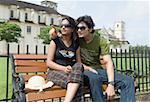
column 3, row 68
column 138, row 67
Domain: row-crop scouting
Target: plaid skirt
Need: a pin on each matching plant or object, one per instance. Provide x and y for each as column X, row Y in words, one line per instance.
column 62, row 79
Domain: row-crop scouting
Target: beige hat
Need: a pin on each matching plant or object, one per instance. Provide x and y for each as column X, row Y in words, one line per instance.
column 38, row 83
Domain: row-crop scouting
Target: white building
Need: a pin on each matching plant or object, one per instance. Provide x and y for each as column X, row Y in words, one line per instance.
column 119, row 30
column 116, row 34
column 31, row 18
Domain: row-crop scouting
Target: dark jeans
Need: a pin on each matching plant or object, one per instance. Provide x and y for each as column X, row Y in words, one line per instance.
column 122, row 82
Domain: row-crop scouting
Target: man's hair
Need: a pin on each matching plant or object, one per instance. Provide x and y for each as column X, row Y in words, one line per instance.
column 87, row 20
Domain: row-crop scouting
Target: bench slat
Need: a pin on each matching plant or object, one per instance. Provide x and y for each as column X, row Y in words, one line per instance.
column 31, row 57
column 46, row 95
column 27, row 77
column 30, row 63
column 48, row 89
column 30, row 69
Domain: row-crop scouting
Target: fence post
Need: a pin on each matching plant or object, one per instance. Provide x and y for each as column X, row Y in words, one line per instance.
column 7, row 72
column 149, row 63
column 36, row 49
column 18, row 48
column 138, row 66
column 116, row 58
column 27, row 49
column 125, row 60
column 44, row 49
column 146, row 66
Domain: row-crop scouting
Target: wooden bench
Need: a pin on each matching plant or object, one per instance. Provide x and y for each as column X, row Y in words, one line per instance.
column 23, row 68
column 26, row 66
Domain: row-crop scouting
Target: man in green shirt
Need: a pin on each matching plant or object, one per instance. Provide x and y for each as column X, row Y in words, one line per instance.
column 92, row 48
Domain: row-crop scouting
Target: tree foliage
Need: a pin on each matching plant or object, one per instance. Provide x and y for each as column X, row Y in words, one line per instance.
column 140, row 47
column 10, row 32
column 44, row 34
column 97, row 32
column 116, row 43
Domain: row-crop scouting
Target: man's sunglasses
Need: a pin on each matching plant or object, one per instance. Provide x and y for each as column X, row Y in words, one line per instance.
column 81, row 28
column 66, row 26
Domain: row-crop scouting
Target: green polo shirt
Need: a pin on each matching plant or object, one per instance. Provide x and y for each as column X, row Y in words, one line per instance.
column 90, row 52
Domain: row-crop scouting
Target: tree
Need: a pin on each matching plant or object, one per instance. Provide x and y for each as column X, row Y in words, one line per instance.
column 44, row 34
column 98, row 32
column 10, row 32
column 115, row 43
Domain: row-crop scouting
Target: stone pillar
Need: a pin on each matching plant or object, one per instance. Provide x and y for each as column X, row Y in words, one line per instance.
column 3, row 47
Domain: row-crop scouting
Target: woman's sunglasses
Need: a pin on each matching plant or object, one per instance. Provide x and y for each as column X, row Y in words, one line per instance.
column 81, row 28
column 66, row 26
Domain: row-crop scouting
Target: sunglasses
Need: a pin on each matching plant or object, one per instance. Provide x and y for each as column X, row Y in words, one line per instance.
column 66, row 26
column 81, row 28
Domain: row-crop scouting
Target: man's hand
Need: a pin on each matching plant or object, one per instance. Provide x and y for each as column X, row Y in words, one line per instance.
column 93, row 70
column 53, row 32
column 90, row 69
column 110, row 91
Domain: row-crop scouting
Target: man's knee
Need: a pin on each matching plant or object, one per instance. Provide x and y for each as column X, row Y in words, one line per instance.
column 91, row 77
column 129, row 82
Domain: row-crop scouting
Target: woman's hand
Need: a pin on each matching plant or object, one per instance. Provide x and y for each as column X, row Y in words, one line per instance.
column 68, row 69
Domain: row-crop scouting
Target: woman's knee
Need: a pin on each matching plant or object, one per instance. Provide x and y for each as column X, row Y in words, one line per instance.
column 78, row 66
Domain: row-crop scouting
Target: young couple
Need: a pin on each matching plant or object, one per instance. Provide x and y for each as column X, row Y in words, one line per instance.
column 71, row 59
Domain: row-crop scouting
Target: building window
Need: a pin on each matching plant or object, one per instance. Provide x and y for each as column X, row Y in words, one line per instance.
column 117, row 25
column 39, row 19
column 29, row 29
column 52, row 21
column 26, row 16
column 11, row 13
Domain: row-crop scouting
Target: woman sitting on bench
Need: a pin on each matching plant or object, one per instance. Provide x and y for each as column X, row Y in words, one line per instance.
column 64, row 62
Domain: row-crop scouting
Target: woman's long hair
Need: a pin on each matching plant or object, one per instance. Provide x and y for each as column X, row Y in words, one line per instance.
column 73, row 24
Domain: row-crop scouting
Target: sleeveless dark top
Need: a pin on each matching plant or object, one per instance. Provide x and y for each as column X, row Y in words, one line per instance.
column 65, row 55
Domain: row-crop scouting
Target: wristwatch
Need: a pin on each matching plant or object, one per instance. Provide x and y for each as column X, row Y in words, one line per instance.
column 111, row 83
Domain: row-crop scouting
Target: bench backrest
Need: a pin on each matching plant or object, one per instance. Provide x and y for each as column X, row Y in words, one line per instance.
column 29, row 65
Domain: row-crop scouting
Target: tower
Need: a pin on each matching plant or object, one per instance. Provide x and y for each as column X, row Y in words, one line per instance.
column 49, row 4
column 119, row 29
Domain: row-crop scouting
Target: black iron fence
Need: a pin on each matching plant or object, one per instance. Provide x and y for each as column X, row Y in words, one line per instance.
column 134, row 62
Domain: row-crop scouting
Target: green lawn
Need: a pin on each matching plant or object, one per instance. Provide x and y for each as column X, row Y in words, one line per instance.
column 3, row 68
column 142, row 66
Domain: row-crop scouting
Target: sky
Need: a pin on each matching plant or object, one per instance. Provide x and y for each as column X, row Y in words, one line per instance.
column 135, row 14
